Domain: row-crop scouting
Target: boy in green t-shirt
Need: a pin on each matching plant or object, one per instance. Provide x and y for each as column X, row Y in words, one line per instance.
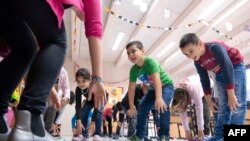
column 160, row 93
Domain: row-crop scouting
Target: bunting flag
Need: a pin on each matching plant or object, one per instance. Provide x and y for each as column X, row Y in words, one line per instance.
column 223, row 34
column 142, row 25
column 228, row 37
column 112, row 83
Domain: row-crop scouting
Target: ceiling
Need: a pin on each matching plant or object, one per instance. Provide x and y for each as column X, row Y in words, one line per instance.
column 157, row 40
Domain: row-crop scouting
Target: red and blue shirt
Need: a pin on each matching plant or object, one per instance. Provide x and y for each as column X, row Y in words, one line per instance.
column 218, row 57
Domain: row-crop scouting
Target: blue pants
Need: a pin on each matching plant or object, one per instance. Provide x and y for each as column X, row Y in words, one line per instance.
column 146, row 105
column 225, row 116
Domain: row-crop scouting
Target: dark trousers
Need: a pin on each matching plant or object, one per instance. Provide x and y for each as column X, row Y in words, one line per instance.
column 109, row 120
column 49, row 117
column 206, row 113
column 26, row 25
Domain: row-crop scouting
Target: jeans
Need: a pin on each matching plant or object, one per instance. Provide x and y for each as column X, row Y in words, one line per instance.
column 131, row 126
column 225, row 116
column 130, row 120
column 146, row 105
column 156, row 117
column 85, row 113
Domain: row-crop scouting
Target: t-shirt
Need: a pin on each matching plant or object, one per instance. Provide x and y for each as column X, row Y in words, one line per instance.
column 144, row 73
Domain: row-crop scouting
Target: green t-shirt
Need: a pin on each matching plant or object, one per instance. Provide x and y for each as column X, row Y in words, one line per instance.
column 144, row 73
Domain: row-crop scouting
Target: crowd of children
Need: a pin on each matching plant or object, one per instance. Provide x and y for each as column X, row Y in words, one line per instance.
column 156, row 92
column 46, row 92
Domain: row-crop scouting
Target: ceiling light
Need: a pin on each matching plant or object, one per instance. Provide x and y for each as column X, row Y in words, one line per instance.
column 166, row 49
column 144, row 7
column 118, row 40
column 137, row 2
column 172, row 56
column 229, row 12
column 166, row 13
column 210, row 9
column 228, row 26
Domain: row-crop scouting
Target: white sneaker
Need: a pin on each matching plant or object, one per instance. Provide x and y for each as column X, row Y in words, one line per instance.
column 78, row 138
column 96, row 138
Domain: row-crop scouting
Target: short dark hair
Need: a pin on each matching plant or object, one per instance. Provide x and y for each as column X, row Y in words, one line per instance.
column 138, row 44
column 189, row 38
column 84, row 73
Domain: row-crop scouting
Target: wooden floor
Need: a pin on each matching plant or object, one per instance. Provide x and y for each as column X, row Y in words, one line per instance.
column 68, row 138
column 176, row 130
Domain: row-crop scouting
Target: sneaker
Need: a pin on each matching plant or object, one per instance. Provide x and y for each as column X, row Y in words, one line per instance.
column 164, row 138
column 115, row 137
column 147, row 139
column 96, row 138
column 206, row 138
column 135, row 138
column 78, row 138
column 212, row 138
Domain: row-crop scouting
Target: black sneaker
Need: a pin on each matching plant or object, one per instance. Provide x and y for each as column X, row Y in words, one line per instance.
column 147, row 139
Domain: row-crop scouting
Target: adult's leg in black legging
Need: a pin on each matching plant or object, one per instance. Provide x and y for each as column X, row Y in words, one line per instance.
column 50, row 58
column 47, row 63
column 15, row 34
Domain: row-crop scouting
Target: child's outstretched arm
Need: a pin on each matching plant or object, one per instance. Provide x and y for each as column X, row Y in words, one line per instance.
column 94, row 33
column 131, row 97
column 160, row 105
column 55, row 98
column 204, row 79
column 79, row 126
column 222, row 57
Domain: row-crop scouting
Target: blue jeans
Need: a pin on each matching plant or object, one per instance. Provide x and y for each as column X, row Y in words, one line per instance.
column 225, row 116
column 85, row 113
column 146, row 105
